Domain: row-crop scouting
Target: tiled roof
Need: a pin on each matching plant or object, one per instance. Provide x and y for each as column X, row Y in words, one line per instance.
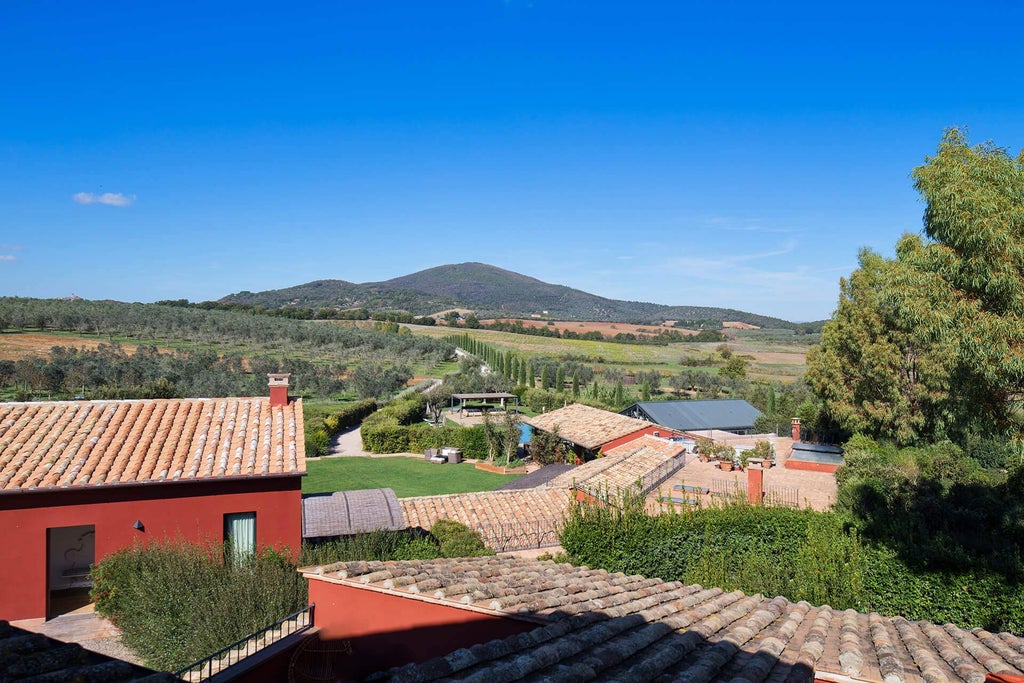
column 49, row 445
column 34, row 657
column 507, row 520
column 719, row 413
column 594, row 625
column 344, row 513
column 623, row 466
column 586, row 426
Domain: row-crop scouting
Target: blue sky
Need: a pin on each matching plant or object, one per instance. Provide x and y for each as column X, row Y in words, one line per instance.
column 726, row 154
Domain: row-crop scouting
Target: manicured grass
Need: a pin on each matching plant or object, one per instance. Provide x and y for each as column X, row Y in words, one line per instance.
column 407, row 476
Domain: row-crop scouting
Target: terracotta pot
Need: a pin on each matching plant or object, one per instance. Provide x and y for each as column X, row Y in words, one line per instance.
column 726, row 465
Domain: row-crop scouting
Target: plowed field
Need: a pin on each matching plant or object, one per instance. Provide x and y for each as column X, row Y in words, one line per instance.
column 20, row 345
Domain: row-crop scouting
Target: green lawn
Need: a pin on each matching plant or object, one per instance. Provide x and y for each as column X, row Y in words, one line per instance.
column 407, row 476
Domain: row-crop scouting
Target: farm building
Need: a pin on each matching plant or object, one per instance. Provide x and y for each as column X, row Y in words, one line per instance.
column 82, row 479
column 591, row 430
column 728, row 415
column 513, row 619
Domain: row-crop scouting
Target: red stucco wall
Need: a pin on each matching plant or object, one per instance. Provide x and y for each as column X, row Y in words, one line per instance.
column 388, row 630
column 664, row 432
column 811, row 466
column 193, row 511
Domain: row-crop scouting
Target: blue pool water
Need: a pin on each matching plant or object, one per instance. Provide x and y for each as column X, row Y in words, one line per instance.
column 525, row 432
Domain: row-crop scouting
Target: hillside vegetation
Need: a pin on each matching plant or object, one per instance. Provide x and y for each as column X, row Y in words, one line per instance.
column 491, row 292
column 193, row 352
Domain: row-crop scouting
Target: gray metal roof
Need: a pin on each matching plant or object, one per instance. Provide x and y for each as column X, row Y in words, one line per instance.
column 344, row 513
column 726, row 414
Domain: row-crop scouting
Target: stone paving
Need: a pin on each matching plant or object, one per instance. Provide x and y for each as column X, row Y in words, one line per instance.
column 86, row 628
column 812, row 489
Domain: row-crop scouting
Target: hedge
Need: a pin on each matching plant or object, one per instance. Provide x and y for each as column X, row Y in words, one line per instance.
column 387, row 436
column 176, row 603
column 318, row 436
column 446, row 539
column 799, row 554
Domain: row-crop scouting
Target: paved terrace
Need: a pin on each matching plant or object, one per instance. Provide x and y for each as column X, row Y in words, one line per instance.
column 808, row 489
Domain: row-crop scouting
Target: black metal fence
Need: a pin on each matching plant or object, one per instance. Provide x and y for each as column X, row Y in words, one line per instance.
column 507, row 536
column 297, row 622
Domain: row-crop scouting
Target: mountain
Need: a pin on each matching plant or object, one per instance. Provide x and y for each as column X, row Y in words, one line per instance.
column 491, row 292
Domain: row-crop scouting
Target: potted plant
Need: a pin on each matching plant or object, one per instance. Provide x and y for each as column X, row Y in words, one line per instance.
column 704, row 448
column 765, row 451
column 726, row 455
column 743, row 458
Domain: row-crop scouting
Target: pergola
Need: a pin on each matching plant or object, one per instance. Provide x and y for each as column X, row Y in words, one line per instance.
column 501, row 397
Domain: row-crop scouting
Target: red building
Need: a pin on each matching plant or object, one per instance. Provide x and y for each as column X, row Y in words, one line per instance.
column 82, row 479
column 514, row 619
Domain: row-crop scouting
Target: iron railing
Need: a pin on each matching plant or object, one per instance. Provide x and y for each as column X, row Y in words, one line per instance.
column 661, row 473
column 205, row 668
column 517, row 535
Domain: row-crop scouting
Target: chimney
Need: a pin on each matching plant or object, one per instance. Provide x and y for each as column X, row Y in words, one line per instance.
column 278, row 383
column 755, row 485
column 796, row 429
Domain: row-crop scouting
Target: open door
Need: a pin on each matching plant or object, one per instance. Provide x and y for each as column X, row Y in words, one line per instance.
column 70, row 552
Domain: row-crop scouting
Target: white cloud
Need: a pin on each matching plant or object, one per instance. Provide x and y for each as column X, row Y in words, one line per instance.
column 108, row 198
column 8, row 257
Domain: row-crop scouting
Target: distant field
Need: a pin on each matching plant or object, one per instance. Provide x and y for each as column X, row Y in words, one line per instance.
column 407, row 476
column 14, row 346
column 608, row 329
column 776, row 355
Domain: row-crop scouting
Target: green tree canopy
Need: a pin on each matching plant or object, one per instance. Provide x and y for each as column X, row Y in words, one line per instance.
column 931, row 344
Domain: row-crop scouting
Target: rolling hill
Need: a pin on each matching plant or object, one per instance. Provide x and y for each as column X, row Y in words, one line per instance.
column 491, row 292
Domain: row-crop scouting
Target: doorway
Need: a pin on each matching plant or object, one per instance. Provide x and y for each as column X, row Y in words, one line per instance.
column 70, row 552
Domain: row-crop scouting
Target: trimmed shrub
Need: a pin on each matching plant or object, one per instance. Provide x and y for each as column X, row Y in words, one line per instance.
column 177, row 602
column 318, row 442
column 385, row 435
column 458, row 540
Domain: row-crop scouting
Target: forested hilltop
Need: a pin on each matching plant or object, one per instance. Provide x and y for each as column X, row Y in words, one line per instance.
column 490, row 292
column 195, row 352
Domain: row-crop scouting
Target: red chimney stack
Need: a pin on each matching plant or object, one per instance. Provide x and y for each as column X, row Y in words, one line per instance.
column 278, row 383
column 755, row 485
column 796, row 429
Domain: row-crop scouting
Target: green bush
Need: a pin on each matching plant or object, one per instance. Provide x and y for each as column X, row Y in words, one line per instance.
column 458, row 540
column 176, row 602
column 799, row 554
column 379, row 545
column 446, row 539
column 318, row 442
column 385, row 435
column 320, row 428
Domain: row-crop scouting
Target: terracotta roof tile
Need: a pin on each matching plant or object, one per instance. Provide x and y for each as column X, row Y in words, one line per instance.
column 586, row 426
column 34, row 657
column 647, row 459
column 47, row 445
column 595, row 625
column 507, row 520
